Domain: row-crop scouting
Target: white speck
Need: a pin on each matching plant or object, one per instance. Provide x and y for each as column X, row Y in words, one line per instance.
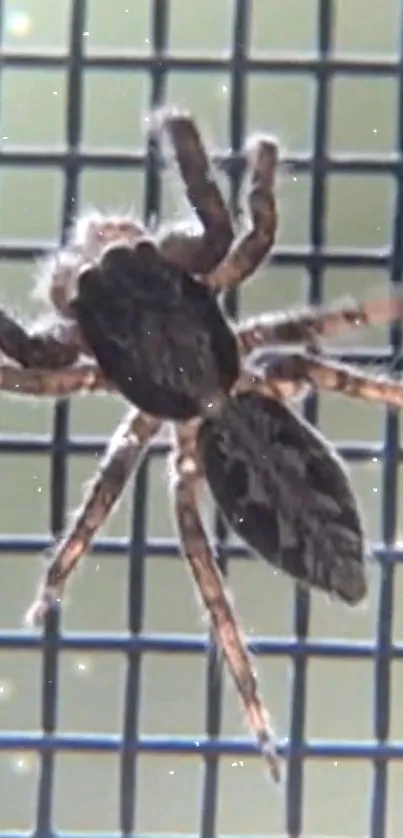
column 5, row 138
column 224, row 88
column 86, row 34
column 55, row 93
column 188, row 465
column 97, row 568
column 197, row 743
column 335, row 763
column 374, row 489
column 82, row 667
column 375, row 460
column 6, row 690
column 172, row 772
column 295, row 179
column 19, row 24
column 375, row 131
column 147, row 40
column 23, row 763
column 39, row 490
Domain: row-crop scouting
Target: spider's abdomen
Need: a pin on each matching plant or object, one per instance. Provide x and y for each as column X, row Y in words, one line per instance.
column 285, row 492
column 157, row 333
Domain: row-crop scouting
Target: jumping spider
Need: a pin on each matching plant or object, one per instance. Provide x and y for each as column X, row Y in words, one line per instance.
column 139, row 314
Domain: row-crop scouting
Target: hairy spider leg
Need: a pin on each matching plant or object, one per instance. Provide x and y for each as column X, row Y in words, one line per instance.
column 187, row 472
column 124, row 453
column 53, row 349
column 251, row 247
column 287, row 374
column 55, row 384
column 304, row 325
column 194, row 251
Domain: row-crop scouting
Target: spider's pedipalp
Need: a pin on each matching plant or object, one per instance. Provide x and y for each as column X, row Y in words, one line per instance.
column 54, row 384
column 124, row 453
column 295, row 370
column 201, row 252
column 90, row 233
column 56, row 279
column 306, row 324
column 93, row 231
column 211, row 587
column 251, row 247
column 285, row 492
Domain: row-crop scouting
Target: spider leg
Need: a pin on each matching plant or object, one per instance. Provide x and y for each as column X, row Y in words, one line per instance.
column 249, row 250
column 124, row 453
column 187, row 471
column 307, row 324
column 55, row 384
column 193, row 251
column 287, row 374
column 53, row 348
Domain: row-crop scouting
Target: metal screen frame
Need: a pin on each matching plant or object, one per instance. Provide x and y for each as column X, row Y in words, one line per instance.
column 323, row 67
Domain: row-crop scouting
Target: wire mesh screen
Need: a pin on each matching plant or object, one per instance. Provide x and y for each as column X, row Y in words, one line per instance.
column 118, row 720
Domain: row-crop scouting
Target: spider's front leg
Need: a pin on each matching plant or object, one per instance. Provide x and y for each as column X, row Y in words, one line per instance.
column 194, row 252
column 124, row 453
column 306, row 325
column 251, row 247
column 52, row 348
column 210, row 584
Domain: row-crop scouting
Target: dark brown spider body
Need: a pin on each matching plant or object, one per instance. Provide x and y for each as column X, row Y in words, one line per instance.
column 283, row 489
column 157, row 333
column 148, row 314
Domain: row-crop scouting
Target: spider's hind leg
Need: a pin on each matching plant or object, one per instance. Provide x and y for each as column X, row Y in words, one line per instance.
column 52, row 383
column 125, row 451
column 210, row 584
column 287, row 374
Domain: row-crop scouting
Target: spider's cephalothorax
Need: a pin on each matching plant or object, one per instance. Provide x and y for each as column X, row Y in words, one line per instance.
column 139, row 315
column 155, row 331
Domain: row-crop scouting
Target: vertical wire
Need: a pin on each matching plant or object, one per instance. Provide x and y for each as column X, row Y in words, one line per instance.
column 390, row 467
column 59, row 463
column 138, row 541
column 295, row 779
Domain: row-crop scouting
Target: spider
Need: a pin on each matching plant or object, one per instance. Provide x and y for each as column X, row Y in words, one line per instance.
column 140, row 314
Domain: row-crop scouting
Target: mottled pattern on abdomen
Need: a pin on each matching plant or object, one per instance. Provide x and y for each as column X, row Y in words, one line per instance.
column 283, row 489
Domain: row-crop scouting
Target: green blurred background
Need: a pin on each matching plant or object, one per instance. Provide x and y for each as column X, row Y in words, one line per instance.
column 340, row 693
